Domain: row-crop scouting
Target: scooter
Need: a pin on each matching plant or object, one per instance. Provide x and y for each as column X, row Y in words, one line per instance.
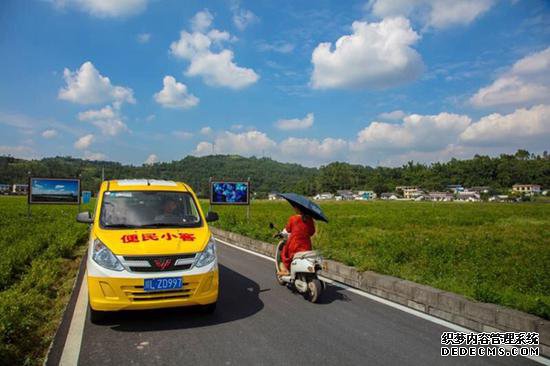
column 303, row 270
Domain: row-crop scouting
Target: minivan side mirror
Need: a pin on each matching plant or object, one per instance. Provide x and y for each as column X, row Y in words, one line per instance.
column 85, row 217
column 212, row 216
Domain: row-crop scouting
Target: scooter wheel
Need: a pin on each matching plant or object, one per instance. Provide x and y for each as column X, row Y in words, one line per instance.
column 314, row 289
column 280, row 280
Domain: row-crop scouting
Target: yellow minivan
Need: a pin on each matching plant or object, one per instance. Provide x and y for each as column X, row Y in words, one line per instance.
column 150, row 247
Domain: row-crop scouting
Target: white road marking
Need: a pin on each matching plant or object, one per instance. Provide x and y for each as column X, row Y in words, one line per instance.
column 433, row 319
column 71, row 349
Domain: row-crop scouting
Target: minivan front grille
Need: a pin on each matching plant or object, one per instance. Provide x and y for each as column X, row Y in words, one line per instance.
column 159, row 263
column 137, row 293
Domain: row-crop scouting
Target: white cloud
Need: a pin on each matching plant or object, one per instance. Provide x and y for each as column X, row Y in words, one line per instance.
column 143, row 37
column 392, row 116
column 150, row 118
column 84, row 142
column 418, row 132
column 312, row 149
column 105, row 8
column 206, row 130
column 216, row 68
column 246, row 143
column 175, row 95
column 202, row 21
column 88, row 86
column 375, row 55
column 49, row 134
column 423, row 138
column 525, row 84
column 295, row 123
column 523, row 127
column 279, row 46
column 16, row 151
column 97, row 156
column 151, row 159
column 107, row 119
column 183, row 135
column 432, row 13
column 242, row 18
column 107, row 112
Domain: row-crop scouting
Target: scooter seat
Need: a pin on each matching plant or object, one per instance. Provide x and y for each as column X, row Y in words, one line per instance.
column 306, row 254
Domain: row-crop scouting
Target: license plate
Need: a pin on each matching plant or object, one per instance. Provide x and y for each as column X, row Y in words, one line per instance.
column 165, row 283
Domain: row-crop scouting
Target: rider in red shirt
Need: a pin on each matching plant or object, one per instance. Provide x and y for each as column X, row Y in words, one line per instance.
column 301, row 228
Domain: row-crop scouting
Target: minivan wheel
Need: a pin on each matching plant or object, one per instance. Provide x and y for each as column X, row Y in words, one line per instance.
column 97, row 317
column 208, row 309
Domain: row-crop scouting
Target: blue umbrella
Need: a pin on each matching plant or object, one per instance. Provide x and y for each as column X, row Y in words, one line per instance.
column 305, row 206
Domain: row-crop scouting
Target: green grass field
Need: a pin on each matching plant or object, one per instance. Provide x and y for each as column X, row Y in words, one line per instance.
column 498, row 253
column 39, row 257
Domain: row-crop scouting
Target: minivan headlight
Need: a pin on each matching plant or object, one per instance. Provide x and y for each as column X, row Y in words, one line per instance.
column 208, row 255
column 104, row 257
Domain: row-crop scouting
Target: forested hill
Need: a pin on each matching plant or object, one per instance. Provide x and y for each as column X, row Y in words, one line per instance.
column 267, row 175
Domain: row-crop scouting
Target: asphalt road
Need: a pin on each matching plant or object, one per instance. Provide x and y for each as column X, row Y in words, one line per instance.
column 259, row 322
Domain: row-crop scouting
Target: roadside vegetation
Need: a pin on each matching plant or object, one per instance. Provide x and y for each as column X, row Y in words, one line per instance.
column 39, row 259
column 490, row 252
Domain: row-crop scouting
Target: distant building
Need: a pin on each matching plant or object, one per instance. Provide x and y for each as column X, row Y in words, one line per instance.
column 440, row 196
column 528, row 189
column 345, row 194
column 410, row 192
column 5, row 188
column 499, row 198
column 455, row 188
column 389, row 196
column 468, row 196
column 365, row 195
column 272, row 196
column 324, row 196
column 480, row 189
column 20, row 189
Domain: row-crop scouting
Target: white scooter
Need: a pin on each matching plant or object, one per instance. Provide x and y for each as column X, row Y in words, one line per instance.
column 303, row 270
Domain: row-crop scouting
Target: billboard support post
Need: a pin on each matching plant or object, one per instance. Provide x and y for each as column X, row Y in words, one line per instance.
column 248, row 206
column 79, row 194
column 210, row 194
column 29, row 195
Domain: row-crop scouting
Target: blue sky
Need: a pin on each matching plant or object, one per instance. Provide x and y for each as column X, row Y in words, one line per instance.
column 54, row 186
column 377, row 82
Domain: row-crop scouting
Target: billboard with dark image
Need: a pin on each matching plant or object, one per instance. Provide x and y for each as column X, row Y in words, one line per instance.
column 229, row 193
column 54, row 190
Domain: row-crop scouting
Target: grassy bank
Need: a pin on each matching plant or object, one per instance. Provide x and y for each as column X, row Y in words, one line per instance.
column 497, row 253
column 38, row 262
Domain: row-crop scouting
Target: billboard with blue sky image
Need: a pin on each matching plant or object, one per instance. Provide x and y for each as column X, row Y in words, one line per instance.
column 52, row 190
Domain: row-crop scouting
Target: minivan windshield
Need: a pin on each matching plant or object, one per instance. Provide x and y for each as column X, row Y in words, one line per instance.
column 144, row 209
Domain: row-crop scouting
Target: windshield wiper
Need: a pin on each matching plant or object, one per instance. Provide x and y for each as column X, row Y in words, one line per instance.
column 166, row 224
column 121, row 226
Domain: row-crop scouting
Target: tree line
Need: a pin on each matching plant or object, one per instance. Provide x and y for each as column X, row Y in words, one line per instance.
column 268, row 175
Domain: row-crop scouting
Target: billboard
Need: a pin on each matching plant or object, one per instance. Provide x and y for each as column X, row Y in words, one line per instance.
column 229, row 193
column 54, row 190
